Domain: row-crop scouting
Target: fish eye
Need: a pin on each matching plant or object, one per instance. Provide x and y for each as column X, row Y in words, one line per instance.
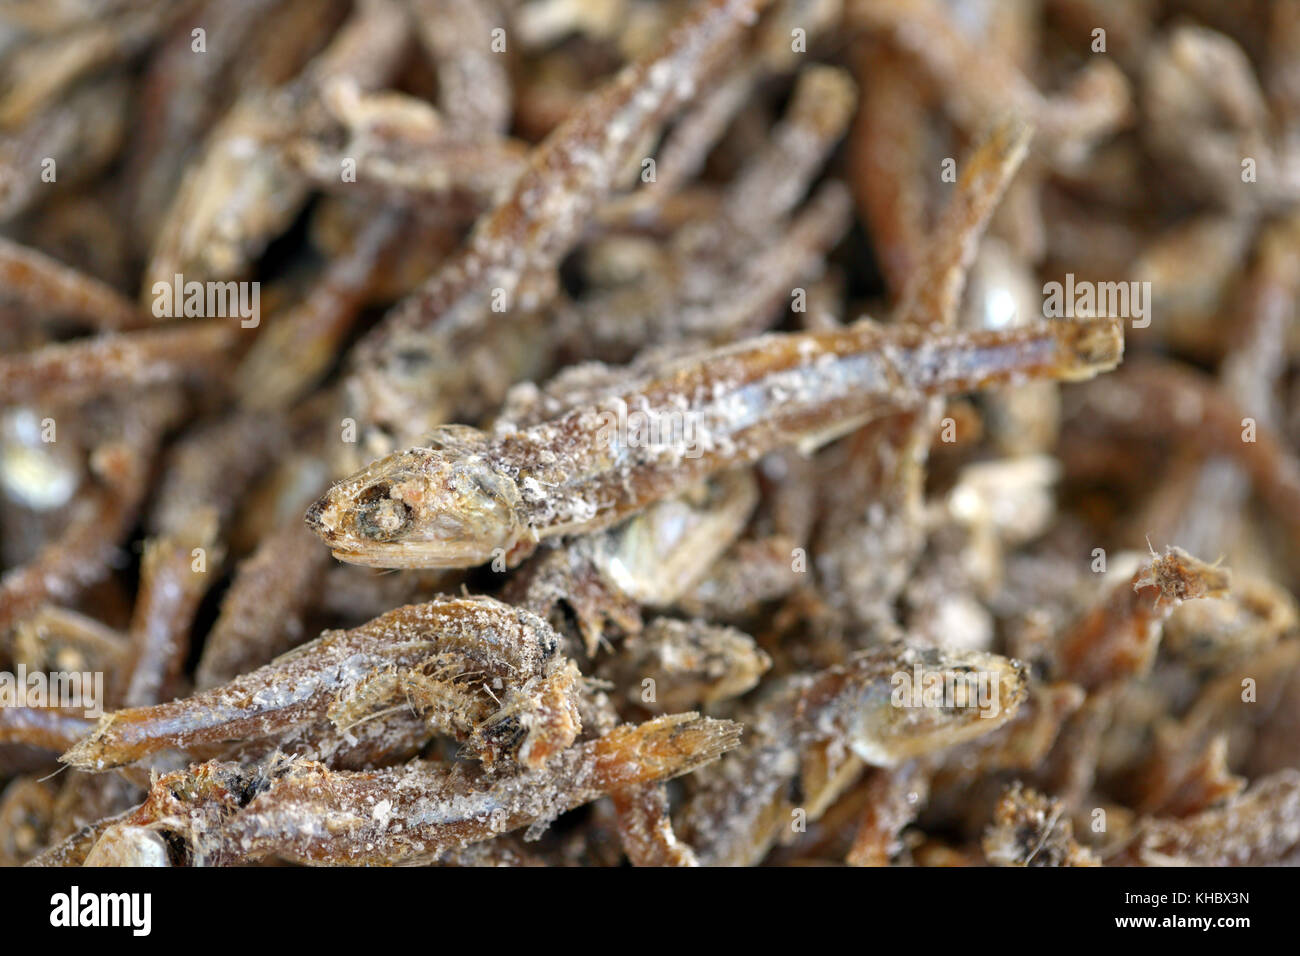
column 379, row 517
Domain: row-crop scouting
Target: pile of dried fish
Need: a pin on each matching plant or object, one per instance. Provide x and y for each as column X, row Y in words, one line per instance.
column 728, row 432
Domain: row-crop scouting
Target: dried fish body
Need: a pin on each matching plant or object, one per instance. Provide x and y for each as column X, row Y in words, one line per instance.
column 261, row 613
column 894, row 797
column 464, row 498
column 684, row 150
column 723, row 278
column 771, row 184
column 1216, row 633
column 175, row 121
column 1001, row 292
column 204, row 477
column 1191, row 408
column 401, row 145
column 1256, row 828
column 645, row 829
column 661, row 553
column 1191, row 269
column 1209, row 113
column 977, row 84
column 481, row 671
column 751, row 574
column 698, row 297
column 89, row 367
column 44, row 67
column 297, row 347
column 888, row 140
column 740, row 807
column 50, row 728
column 49, row 286
column 540, row 219
column 864, row 558
column 301, row 811
column 1118, row 638
column 242, row 191
column 57, row 639
column 80, row 135
column 1215, row 736
column 473, row 83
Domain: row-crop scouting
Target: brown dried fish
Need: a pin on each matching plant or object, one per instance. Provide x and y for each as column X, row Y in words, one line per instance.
column 465, row 498
column 224, row 813
column 490, row 675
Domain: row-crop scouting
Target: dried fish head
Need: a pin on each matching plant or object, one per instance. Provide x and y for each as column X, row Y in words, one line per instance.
column 893, row 704
column 421, row 508
column 1182, row 577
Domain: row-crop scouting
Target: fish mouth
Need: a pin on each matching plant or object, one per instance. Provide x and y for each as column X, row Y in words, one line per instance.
column 375, row 557
column 315, row 518
column 408, row 556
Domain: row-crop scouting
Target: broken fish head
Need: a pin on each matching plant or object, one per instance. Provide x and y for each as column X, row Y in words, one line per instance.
column 421, row 508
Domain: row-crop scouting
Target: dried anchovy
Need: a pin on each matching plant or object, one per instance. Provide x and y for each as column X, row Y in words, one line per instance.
column 650, row 560
column 553, row 222
column 401, row 146
column 1118, row 638
column 225, row 813
column 261, row 614
column 893, row 800
column 645, row 828
column 82, row 132
column 56, row 639
column 53, row 288
column 527, row 233
column 455, row 503
column 741, row 806
column 1256, row 828
column 978, row 85
column 868, row 556
column 204, row 478
column 241, row 192
column 488, row 674
column 47, row 727
column 294, row 353
column 84, row 369
column 724, row 279
column 473, row 85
